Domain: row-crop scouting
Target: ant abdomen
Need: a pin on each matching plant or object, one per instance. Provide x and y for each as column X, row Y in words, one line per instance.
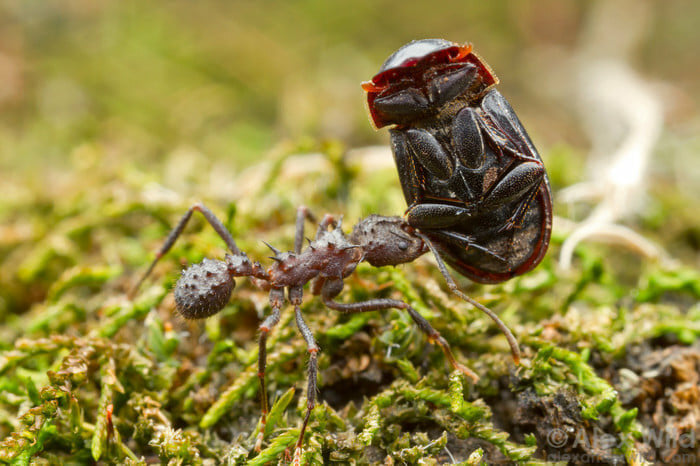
column 203, row 289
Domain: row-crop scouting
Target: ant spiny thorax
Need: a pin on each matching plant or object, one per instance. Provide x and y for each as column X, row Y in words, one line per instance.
column 333, row 255
column 290, row 269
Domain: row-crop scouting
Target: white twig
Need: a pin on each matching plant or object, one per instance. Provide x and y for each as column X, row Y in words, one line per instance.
column 623, row 119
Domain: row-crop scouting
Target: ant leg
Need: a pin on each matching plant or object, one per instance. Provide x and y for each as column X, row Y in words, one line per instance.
column 302, row 214
column 328, row 220
column 514, row 349
column 177, row 231
column 311, row 387
column 382, row 304
column 276, row 300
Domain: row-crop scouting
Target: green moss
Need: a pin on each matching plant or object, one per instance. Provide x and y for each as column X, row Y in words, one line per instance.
column 118, row 399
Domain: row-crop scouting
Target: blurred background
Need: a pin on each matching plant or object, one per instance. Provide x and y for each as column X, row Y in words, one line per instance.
column 186, row 96
column 233, row 79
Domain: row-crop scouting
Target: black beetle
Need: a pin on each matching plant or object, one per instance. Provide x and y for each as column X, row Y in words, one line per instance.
column 473, row 181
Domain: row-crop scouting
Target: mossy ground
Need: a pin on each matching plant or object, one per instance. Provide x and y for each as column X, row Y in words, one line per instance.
column 610, row 349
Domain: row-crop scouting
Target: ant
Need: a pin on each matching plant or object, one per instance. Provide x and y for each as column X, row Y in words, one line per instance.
column 205, row 288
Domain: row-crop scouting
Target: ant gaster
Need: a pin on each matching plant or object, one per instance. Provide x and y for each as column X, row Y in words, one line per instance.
column 205, row 288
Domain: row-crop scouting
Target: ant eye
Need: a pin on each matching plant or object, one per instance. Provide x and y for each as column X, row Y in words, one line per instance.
column 403, row 245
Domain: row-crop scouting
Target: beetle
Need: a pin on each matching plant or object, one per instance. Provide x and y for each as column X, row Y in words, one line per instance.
column 472, row 178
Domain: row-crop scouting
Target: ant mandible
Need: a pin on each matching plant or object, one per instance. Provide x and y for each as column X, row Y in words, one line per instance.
column 205, row 288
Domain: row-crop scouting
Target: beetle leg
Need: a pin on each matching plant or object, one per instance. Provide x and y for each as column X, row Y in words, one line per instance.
column 522, row 182
column 402, row 105
column 516, row 184
column 496, row 139
column 503, row 127
column 311, row 383
column 516, row 220
column 467, row 140
column 514, row 349
column 446, row 87
column 177, row 231
column 382, row 304
column 436, row 216
column 430, row 153
column 409, row 176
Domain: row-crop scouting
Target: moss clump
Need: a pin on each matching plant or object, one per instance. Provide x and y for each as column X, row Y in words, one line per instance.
column 88, row 375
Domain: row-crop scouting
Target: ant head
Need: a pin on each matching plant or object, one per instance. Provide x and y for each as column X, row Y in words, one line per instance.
column 203, row 289
column 387, row 241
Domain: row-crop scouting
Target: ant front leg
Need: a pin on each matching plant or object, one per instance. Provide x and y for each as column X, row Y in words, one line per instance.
column 276, row 301
column 383, row 304
column 312, row 380
column 177, row 231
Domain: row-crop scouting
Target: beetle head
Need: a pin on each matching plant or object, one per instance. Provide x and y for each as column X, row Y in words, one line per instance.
column 418, row 63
